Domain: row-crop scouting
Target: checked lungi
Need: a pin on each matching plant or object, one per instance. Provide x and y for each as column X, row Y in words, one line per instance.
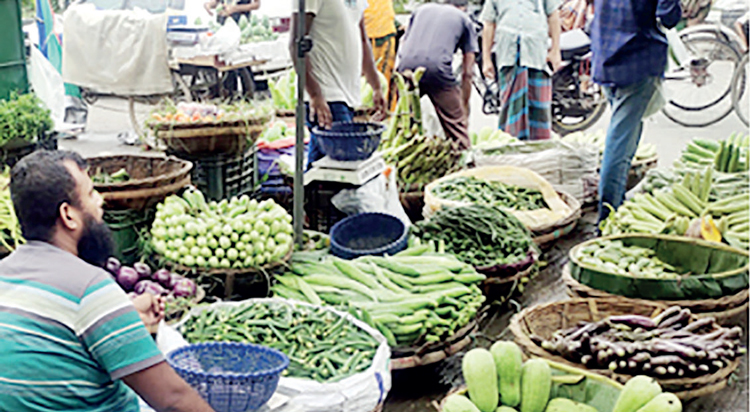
column 525, row 99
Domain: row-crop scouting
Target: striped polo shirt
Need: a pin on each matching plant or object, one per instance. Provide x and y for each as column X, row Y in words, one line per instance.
column 68, row 333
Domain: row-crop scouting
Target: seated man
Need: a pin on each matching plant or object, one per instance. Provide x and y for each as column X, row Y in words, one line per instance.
column 72, row 340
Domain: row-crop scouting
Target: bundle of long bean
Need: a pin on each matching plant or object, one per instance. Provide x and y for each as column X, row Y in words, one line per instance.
column 667, row 346
column 10, row 230
column 498, row 194
column 320, row 344
column 479, row 235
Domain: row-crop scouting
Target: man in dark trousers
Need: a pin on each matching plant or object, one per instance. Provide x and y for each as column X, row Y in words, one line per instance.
column 434, row 34
column 630, row 55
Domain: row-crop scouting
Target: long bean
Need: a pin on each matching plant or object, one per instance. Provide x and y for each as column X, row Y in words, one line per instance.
column 498, row 194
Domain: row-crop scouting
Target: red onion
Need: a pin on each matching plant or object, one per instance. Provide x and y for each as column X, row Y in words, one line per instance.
column 127, row 277
column 144, row 272
column 184, row 288
column 162, row 277
column 113, row 266
column 149, row 286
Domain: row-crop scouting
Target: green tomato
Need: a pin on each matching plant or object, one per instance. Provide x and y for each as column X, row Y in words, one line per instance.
column 249, row 262
column 237, row 264
column 267, row 256
column 202, row 229
column 245, row 238
column 200, row 261
column 219, row 253
column 275, row 227
column 232, row 254
column 234, row 237
column 261, row 228
column 243, row 255
column 225, row 264
column 252, row 205
column 288, row 229
column 172, row 233
column 206, row 252
column 280, row 237
column 239, row 246
column 191, row 228
column 201, row 241
column 178, row 243
column 190, row 241
column 183, row 251
column 223, row 203
column 216, row 230
column 195, row 251
column 159, row 233
column 224, row 242
column 260, row 259
column 160, row 246
column 188, row 261
column 213, row 205
column 288, row 218
column 213, row 262
column 254, row 236
column 248, row 228
column 258, row 248
column 227, row 230
column 238, row 226
column 213, row 243
column 270, row 244
column 170, row 244
column 263, row 205
column 180, row 232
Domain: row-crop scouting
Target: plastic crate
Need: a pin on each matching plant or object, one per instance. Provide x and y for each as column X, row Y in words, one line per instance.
column 126, row 226
column 222, row 176
column 320, row 211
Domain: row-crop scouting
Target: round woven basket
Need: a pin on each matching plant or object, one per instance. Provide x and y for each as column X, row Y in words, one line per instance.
column 402, row 358
column 502, row 288
column 227, row 137
column 543, row 320
column 548, row 234
column 152, row 179
column 726, row 310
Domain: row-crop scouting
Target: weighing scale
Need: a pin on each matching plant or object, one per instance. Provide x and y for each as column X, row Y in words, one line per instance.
column 354, row 173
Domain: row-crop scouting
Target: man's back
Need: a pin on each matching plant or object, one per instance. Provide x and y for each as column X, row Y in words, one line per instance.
column 434, row 35
column 69, row 334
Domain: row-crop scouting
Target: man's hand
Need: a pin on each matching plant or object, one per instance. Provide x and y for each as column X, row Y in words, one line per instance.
column 381, row 111
column 320, row 112
column 554, row 58
column 209, row 6
column 228, row 10
column 150, row 308
column 488, row 70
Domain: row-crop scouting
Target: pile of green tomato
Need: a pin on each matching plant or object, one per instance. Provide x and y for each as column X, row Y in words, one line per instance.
column 238, row 233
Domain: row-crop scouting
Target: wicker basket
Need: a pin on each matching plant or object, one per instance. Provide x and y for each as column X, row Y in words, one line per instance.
column 727, row 310
column 211, row 139
column 152, row 179
column 543, row 320
column 546, row 235
column 435, row 352
column 500, row 289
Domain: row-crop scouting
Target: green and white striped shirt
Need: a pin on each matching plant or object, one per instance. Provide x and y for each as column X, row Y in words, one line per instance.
column 68, row 333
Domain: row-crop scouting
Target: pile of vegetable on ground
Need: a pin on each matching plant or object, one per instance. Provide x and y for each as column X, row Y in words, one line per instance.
column 727, row 156
column 479, row 235
column 23, row 117
column 238, row 233
column 667, row 346
column 645, row 151
column 413, row 298
column 321, row 345
column 10, row 230
column 625, row 260
column 498, row 380
column 491, row 193
column 168, row 114
column 419, row 159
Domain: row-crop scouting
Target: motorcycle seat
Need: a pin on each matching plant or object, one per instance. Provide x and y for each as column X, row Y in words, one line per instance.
column 574, row 43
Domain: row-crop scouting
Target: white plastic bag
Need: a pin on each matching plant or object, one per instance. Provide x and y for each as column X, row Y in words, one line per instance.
column 358, row 393
column 47, row 84
column 226, row 39
column 430, row 120
column 380, row 195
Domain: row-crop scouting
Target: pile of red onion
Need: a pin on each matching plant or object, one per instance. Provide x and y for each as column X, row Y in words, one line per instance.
column 139, row 279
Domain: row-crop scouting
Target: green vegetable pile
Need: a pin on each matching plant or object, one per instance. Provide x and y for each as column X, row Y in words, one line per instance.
column 284, row 91
column 23, row 117
column 497, row 194
column 731, row 155
column 320, row 344
column 102, row 177
column 10, row 229
column 279, row 130
column 624, row 260
column 413, row 298
column 479, row 235
column 490, row 137
column 598, row 139
column 239, row 233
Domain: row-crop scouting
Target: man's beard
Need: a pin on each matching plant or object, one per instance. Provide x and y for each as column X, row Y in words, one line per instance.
column 97, row 242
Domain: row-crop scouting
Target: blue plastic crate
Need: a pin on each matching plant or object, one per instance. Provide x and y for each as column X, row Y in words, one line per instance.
column 368, row 234
column 348, row 141
column 231, row 377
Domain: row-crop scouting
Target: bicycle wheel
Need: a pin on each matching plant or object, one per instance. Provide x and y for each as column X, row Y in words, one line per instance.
column 740, row 92
column 699, row 95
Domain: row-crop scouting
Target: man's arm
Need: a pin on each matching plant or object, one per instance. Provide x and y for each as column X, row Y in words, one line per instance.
column 210, row 5
column 165, row 391
column 370, row 71
column 553, row 56
column 243, row 8
column 466, row 77
column 669, row 12
column 318, row 105
column 488, row 40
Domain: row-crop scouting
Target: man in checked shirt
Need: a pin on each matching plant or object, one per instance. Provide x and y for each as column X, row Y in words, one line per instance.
column 630, row 55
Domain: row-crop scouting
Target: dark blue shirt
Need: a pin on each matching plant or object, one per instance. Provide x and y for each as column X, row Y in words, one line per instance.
column 625, row 40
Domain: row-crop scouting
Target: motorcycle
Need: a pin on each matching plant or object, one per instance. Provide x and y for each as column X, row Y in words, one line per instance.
column 577, row 102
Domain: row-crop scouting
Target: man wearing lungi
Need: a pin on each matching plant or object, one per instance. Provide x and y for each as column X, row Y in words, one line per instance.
column 520, row 31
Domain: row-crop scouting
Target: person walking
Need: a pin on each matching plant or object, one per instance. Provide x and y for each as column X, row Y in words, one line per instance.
column 629, row 59
column 380, row 24
column 340, row 54
column 434, row 34
column 525, row 36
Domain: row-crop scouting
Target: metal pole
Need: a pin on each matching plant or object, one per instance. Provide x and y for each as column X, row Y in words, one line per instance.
column 299, row 144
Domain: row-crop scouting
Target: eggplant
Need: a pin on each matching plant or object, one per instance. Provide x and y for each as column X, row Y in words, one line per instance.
column 113, row 266
column 184, row 288
column 162, row 277
column 660, row 370
column 679, row 320
column 698, row 324
column 149, row 286
column 670, row 347
column 144, row 272
column 127, row 277
column 634, row 321
column 668, row 313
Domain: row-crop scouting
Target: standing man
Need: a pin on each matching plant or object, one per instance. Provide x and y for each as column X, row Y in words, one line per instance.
column 232, row 9
column 526, row 39
column 71, row 338
column 630, row 55
column 434, row 34
column 340, row 54
column 380, row 23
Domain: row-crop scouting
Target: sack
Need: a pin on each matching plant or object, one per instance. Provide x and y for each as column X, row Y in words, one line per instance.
column 47, row 83
column 569, row 168
column 358, row 393
column 535, row 220
column 379, row 195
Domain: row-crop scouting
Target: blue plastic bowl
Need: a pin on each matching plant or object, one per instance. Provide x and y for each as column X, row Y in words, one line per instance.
column 231, row 377
column 348, row 141
column 368, row 234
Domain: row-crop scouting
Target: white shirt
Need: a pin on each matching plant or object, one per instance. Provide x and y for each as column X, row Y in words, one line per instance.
column 336, row 55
